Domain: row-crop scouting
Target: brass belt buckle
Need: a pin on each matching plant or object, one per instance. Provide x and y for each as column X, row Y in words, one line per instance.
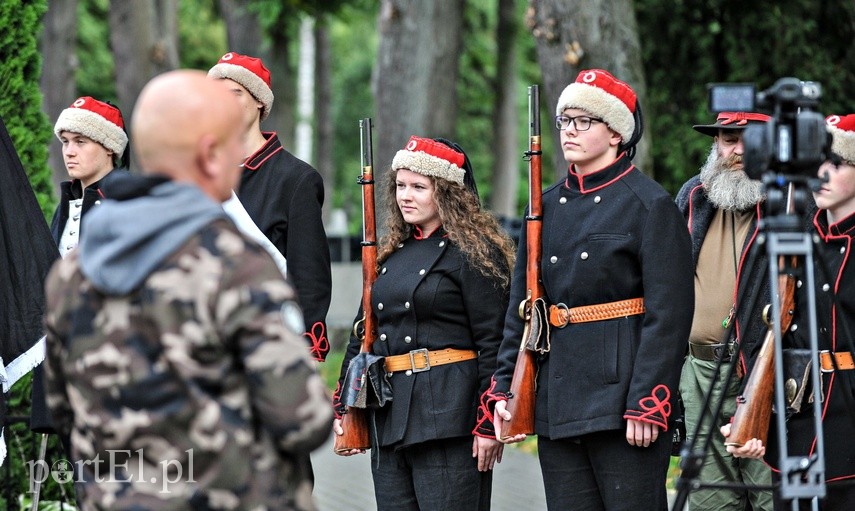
column 413, row 361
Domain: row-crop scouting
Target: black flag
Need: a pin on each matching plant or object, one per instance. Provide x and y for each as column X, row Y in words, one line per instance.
column 28, row 251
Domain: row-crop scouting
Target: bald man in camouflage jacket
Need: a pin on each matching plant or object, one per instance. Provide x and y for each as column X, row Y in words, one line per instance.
column 175, row 358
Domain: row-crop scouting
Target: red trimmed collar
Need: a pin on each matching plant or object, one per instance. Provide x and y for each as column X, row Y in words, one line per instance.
column 271, row 147
column 419, row 235
column 75, row 187
column 843, row 228
column 599, row 179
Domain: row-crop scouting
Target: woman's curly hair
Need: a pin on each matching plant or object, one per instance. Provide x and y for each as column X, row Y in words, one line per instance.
column 476, row 232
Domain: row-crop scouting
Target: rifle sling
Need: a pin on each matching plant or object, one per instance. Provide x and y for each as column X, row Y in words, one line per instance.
column 560, row 315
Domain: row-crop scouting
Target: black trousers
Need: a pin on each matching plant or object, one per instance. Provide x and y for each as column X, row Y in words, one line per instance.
column 602, row 472
column 438, row 475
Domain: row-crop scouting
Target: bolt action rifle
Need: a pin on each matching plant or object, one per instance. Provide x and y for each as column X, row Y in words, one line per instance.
column 754, row 406
column 532, row 309
column 355, row 421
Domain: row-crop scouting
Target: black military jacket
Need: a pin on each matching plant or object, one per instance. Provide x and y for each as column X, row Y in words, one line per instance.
column 428, row 296
column 68, row 191
column 284, row 196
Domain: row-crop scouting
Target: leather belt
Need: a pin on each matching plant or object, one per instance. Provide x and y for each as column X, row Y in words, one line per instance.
column 712, row 352
column 422, row 360
column 843, row 358
column 560, row 315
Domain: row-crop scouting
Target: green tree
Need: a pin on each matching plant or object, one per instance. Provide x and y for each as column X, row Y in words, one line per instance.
column 20, row 98
column 687, row 44
column 21, row 110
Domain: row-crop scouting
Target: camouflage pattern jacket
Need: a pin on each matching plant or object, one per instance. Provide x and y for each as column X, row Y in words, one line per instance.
column 176, row 363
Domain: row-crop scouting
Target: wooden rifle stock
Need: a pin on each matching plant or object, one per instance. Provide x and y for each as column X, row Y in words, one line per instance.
column 355, row 421
column 754, row 410
column 522, row 392
column 754, row 406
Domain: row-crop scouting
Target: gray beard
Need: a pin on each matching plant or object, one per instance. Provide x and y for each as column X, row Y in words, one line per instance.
column 728, row 189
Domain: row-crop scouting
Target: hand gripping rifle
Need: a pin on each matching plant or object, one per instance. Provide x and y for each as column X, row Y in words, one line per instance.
column 754, row 406
column 355, row 421
column 533, row 309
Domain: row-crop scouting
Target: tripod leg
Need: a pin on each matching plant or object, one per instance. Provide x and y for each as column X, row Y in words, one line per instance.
column 38, row 482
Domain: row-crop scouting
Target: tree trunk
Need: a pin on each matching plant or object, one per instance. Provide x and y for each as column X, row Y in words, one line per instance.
column 243, row 30
column 282, row 74
column 144, row 40
column 506, row 170
column 572, row 35
column 305, row 92
column 59, row 64
column 415, row 76
column 324, row 128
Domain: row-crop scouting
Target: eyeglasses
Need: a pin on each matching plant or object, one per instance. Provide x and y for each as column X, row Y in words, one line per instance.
column 580, row 123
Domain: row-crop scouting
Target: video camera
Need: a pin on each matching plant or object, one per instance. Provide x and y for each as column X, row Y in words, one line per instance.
column 794, row 142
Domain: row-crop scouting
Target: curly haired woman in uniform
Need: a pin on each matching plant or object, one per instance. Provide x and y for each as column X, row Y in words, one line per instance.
column 442, row 288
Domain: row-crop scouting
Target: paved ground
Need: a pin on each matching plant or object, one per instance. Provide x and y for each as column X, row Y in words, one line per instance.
column 344, row 483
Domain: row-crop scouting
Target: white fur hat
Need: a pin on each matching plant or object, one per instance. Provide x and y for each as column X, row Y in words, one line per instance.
column 97, row 120
column 598, row 92
column 249, row 72
column 842, row 129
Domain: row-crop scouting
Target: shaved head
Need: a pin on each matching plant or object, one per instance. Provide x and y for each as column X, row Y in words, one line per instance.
column 188, row 127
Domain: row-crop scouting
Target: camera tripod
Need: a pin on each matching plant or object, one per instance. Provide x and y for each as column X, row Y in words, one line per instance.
column 802, row 477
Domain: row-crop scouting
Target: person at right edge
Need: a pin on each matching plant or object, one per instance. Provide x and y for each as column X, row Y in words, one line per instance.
column 613, row 244
column 722, row 206
column 283, row 195
column 834, row 223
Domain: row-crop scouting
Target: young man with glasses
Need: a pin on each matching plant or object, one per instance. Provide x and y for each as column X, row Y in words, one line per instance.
column 614, row 243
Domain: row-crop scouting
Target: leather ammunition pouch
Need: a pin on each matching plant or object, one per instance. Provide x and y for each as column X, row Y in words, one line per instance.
column 536, row 332
column 366, row 383
column 798, row 393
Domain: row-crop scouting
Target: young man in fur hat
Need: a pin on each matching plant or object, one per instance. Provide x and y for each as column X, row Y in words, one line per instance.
column 283, row 195
column 722, row 206
column 94, row 140
column 834, row 222
column 617, row 272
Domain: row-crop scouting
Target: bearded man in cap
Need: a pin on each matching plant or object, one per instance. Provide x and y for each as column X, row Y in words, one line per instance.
column 283, row 195
column 834, row 223
column 617, row 273
column 722, row 206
